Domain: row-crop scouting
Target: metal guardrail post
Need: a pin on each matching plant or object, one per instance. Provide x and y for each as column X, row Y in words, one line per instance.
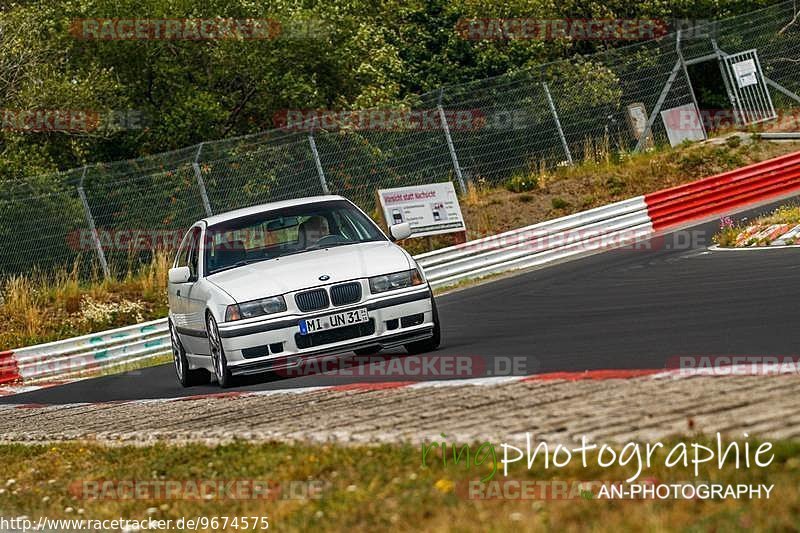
column 322, row 181
column 90, row 220
column 558, row 123
column 198, row 174
column 450, row 146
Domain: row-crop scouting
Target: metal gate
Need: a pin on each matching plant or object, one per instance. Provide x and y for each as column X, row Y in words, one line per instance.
column 746, row 88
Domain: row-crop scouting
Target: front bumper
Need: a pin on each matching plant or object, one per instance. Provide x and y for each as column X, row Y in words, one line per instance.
column 395, row 319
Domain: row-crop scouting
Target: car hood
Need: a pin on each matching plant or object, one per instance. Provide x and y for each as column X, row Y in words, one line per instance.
column 303, row 270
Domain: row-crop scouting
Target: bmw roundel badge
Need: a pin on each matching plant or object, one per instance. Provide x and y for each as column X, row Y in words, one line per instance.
column 324, row 277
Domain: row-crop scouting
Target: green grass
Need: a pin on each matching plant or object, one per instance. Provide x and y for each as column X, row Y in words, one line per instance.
column 378, row 488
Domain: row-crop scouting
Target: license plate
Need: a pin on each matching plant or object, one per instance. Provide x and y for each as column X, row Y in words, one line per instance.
column 337, row 320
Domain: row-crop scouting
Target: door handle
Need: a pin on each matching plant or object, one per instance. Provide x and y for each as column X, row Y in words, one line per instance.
column 178, row 293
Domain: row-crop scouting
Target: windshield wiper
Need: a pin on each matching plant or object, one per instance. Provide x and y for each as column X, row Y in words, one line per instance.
column 335, row 244
column 243, row 262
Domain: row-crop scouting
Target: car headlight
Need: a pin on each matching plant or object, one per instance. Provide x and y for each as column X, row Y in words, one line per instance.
column 265, row 306
column 398, row 280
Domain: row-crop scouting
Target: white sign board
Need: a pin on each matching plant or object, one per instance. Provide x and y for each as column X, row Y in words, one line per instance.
column 683, row 123
column 745, row 73
column 429, row 209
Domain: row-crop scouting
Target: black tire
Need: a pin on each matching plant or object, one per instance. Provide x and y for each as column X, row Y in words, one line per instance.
column 187, row 377
column 427, row 345
column 220, row 363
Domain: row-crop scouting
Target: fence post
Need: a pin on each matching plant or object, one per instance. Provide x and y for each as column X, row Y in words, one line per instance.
column 318, row 163
column 689, row 81
column 450, row 146
column 90, row 220
column 558, row 122
column 660, row 102
column 200, row 183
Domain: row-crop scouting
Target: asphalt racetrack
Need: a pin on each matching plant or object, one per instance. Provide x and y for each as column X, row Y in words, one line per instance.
column 621, row 309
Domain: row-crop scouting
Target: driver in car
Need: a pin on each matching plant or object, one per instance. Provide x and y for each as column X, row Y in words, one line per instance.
column 312, row 230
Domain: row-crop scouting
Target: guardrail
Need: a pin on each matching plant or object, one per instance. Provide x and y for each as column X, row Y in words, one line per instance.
column 717, row 194
column 79, row 355
column 611, row 226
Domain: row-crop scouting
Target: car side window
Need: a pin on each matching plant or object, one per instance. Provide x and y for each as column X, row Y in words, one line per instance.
column 182, row 258
column 194, row 253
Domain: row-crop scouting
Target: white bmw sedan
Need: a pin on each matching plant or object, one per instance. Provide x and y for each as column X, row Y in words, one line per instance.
column 264, row 288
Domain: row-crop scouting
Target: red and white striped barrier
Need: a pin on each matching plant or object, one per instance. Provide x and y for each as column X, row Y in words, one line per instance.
column 9, row 372
column 702, row 199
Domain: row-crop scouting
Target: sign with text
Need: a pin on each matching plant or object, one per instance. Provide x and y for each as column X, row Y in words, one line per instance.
column 745, row 73
column 429, row 209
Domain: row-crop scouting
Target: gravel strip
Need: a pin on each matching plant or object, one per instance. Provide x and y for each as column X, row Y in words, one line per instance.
column 613, row 410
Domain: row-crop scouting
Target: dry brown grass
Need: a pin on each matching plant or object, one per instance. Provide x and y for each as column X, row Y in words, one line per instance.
column 43, row 307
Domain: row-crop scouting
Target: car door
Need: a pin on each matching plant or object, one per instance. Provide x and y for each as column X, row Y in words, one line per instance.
column 193, row 297
column 175, row 291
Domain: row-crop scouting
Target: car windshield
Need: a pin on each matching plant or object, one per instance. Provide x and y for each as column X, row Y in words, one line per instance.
column 287, row 231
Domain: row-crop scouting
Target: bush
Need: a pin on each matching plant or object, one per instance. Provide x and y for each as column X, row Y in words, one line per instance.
column 733, row 141
column 559, row 203
column 521, row 183
column 615, row 184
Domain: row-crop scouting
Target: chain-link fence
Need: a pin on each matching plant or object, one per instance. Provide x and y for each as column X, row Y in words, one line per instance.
column 488, row 131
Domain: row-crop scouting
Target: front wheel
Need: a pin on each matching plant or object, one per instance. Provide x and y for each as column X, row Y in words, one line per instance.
column 221, row 371
column 427, row 345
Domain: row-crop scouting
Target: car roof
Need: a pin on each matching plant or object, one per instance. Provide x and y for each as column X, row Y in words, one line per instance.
column 252, row 210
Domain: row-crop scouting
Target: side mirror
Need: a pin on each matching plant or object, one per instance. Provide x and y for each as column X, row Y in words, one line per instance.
column 400, row 231
column 179, row 274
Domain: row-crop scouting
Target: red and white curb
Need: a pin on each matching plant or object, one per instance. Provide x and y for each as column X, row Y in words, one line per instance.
column 596, row 375
column 11, row 390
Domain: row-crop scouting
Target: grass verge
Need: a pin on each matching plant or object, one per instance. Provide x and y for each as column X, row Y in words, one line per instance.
column 328, row 487
column 44, row 307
